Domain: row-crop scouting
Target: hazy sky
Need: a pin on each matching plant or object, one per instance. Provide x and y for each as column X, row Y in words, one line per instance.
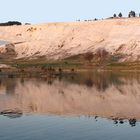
column 37, row 11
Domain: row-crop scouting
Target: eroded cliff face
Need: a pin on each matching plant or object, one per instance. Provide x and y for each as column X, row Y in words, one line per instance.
column 8, row 51
column 61, row 40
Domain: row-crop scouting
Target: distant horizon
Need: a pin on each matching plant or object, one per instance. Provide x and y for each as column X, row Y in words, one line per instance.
column 124, row 16
column 42, row 11
column 137, row 16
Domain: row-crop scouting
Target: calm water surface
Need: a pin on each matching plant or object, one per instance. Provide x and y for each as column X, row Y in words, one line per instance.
column 84, row 106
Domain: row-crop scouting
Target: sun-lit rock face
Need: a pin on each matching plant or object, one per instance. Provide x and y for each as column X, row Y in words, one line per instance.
column 60, row 40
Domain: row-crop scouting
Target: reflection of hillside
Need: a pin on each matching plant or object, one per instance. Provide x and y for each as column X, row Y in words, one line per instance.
column 100, row 81
column 2, row 88
column 11, row 113
column 7, row 85
column 120, row 99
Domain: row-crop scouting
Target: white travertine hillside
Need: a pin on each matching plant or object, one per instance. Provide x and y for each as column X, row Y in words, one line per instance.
column 61, row 40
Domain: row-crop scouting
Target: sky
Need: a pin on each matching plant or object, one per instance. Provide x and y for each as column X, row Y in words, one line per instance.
column 41, row 11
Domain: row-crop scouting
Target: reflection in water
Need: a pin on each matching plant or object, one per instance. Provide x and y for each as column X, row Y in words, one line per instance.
column 132, row 122
column 102, row 94
column 72, row 106
column 11, row 113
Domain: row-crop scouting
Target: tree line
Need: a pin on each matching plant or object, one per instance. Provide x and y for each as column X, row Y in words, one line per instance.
column 130, row 14
column 10, row 23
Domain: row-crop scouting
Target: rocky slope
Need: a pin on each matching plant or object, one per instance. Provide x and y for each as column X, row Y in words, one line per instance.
column 61, row 40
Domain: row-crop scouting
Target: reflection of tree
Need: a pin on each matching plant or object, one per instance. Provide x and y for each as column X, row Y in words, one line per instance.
column 50, row 82
column 9, row 84
column 115, row 121
column 15, row 113
column 101, row 80
column 132, row 122
column 121, row 121
column 89, row 82
column 22, row 80
column 60, row 77
column 13, row 116
column 101, row 83
column 118, row 121
column 10, row 87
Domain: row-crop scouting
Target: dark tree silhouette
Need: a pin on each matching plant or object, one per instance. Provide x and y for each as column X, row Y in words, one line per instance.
column 10, row 23
column 132, row 14
column 120, row 15
column 114, row 15
column 132, row 122
column 89, row 82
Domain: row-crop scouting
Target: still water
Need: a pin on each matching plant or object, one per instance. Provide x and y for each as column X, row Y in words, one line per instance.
column 83, row 106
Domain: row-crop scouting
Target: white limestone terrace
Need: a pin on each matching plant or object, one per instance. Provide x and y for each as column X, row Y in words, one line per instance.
column 61, row 40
